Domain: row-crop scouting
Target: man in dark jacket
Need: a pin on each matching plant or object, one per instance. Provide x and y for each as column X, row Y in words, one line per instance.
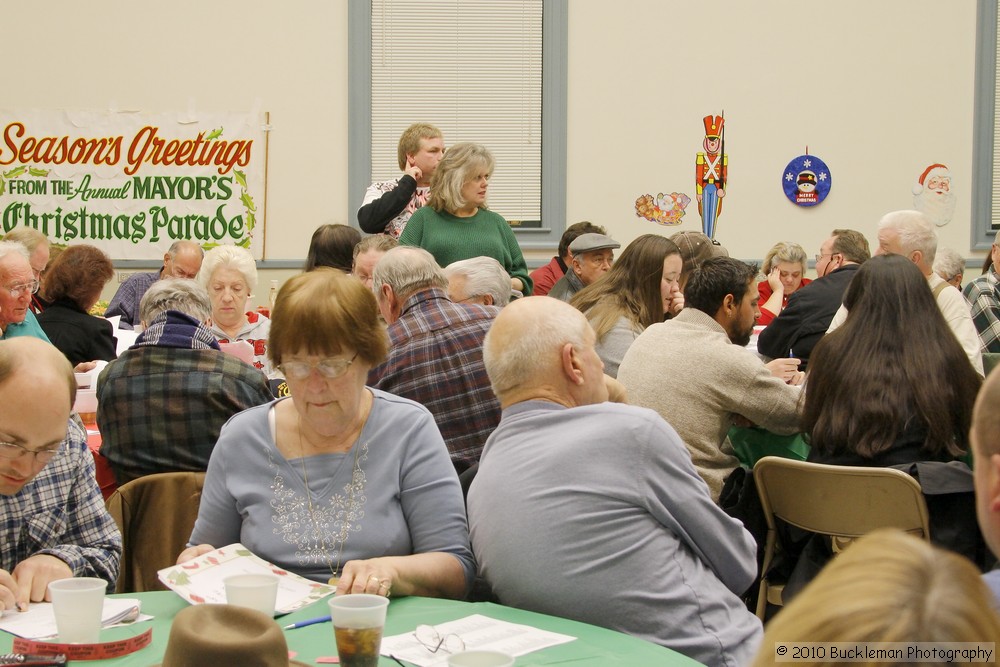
column 797, row 329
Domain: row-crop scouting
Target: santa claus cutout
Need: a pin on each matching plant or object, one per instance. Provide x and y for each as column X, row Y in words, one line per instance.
column 932, row 195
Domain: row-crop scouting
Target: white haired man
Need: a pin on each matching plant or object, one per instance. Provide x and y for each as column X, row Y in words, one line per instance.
column 950, row 265
column 17, row 285
column 435, row 351
column 481, row 280
column 592, row 510
column 911, row 234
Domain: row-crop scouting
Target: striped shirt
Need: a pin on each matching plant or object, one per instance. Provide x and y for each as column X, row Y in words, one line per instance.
column 984, row 298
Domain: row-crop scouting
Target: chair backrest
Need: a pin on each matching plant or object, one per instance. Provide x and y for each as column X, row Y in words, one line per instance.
column 842, row 501
column 155, row 515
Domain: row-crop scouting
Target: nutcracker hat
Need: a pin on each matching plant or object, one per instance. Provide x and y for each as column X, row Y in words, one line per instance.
column 210, row 635
column 936, row 168
column 713, row 126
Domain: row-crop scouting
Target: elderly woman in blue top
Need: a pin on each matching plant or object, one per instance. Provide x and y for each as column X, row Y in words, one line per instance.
column 339, row 481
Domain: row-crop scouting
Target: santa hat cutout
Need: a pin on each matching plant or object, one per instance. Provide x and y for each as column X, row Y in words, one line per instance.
column 919, row 187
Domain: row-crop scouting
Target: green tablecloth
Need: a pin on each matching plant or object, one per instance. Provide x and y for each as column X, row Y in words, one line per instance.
column 594, row 646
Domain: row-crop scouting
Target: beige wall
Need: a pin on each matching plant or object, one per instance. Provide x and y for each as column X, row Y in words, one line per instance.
column 876, row 89
column 870, row 87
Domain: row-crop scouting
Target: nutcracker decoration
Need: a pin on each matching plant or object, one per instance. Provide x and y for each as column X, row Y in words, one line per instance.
column 711, row 174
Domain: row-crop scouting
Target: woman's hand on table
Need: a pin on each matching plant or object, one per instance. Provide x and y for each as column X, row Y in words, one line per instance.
column 372, row 576
column 434, row 574
column 193, row 552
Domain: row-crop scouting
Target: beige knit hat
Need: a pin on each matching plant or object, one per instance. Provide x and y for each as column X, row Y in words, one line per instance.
column 696, row 248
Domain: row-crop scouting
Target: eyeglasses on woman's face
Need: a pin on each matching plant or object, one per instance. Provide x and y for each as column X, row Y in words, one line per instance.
column 330, row 368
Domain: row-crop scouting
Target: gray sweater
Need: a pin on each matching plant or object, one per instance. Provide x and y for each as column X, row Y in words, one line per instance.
column 596, row 514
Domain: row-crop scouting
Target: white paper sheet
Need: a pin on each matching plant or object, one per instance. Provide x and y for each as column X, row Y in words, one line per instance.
column 477, row 632
column 39, row 622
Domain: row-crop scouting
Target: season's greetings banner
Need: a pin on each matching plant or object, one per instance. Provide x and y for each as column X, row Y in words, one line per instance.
column 133, row 183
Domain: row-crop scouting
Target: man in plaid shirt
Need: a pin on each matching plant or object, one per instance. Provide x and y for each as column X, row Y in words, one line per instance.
column 436, row 351
column 162, row 403
column 53, row 524
column 984, row 298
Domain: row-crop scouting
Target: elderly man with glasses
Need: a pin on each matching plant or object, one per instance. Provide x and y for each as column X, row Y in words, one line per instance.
column 17, row 285
column 797, row 329
column 592, row 257
column 53, row 523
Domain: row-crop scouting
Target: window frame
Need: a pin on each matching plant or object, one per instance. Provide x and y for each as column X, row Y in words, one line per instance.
column 983, row 157
column 554, row 117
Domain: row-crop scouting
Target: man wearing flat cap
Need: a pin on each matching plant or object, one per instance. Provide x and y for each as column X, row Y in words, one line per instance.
column 593, row 255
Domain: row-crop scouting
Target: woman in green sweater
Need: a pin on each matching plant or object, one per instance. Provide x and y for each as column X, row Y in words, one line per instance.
column 455, row 224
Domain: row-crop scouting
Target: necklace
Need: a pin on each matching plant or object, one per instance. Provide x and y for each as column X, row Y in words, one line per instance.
column 345, row 524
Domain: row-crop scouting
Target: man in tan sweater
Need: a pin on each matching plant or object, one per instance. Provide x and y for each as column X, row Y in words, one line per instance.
column 696, row 372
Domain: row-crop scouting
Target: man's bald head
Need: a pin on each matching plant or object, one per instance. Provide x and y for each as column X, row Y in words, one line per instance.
column 42, row 362
column 985, row 434
column 523, row 349
column 985, row 440
column 182, row 260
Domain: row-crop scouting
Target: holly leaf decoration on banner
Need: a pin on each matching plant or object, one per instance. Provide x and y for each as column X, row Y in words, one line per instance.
column 15, row 172
column 241, row 178
column 214, row 134
column 248, row 201
column 32, row 171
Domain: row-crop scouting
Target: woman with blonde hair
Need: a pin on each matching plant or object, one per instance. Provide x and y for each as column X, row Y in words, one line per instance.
column 886, row 587
column 456, row 224
column 639, row 290
column 784, row 265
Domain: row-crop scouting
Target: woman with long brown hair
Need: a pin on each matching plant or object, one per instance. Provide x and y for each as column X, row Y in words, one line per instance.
column 891, row 385
column 640, row 289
